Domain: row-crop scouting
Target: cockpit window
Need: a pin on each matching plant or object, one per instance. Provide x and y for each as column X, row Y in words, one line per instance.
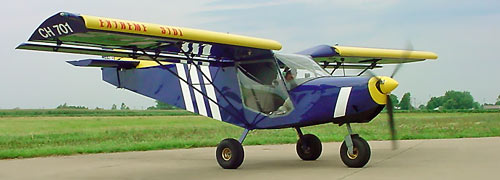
column 297, row 69
column 262, row 87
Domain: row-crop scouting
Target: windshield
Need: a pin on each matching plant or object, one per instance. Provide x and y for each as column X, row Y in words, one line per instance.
column 297, row 69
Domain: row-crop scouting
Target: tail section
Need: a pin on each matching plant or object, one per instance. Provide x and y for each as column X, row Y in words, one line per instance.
column 207, row 90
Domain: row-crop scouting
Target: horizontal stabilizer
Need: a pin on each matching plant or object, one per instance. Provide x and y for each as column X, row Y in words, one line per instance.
column 105, row 63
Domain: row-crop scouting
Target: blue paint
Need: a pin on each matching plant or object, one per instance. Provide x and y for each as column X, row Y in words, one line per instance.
column 319, row 51
column 314, row 101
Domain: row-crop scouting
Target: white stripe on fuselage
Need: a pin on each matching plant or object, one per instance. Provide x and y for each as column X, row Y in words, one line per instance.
column 210, row 93
column 193, row 73
column 186, row 94
column 342, row 100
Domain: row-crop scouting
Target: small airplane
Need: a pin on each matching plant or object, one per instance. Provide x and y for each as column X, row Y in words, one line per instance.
column 235, row 79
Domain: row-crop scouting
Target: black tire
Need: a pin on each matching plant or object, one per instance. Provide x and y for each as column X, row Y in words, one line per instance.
column 309, row 147
column 229, row 153
column 361, row 155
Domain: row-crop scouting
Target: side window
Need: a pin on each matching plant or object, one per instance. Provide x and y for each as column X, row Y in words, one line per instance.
column 262, row 87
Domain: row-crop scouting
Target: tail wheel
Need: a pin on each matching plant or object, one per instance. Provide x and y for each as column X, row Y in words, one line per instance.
column 361, row 153
column 229, row 153
column 309, row 147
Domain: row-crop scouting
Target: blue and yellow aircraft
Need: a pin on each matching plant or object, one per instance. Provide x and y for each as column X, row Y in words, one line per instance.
column 235, row 79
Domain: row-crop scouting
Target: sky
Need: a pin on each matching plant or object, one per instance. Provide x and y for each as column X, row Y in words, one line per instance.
column 465, row 35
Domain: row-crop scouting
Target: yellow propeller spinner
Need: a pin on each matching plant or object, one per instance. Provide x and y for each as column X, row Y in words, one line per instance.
column 380, row 87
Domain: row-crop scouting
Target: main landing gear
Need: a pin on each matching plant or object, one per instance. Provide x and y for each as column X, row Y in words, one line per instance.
column 230, row 153
column 308, row 146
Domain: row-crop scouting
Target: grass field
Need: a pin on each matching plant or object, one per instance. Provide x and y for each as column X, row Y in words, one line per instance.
column 25, row 136
column 85, row 112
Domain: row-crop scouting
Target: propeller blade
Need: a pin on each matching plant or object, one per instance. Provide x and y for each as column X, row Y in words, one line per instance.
column 373, row 75
column 390, row 111
column 396, row 70
column 405, row 55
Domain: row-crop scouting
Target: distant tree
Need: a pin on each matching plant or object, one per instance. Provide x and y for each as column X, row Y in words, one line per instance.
column 421, row 106
column 498, row 100
column 124, row 107
column 65, row 106
column 161, row 106
column 394, row 100
column 405, row 103
column 458, row 100
column 476, row 105
column 113, row 107
column 435, row 102
column 453, row 100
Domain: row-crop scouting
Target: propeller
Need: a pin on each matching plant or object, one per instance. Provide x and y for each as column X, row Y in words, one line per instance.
column 389, row 106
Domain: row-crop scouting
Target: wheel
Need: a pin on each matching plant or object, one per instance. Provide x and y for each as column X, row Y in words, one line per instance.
column 361, row 153
column 309, row 147
column 229, row 153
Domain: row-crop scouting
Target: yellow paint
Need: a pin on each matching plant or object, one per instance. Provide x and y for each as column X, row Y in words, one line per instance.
column 386, row 86
column 142, row 63
column 383, row 53
column 125, row 26
column 145, row 64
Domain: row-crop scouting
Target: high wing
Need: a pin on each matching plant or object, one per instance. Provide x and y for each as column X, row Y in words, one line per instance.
column 84, row 34
column 325, row 54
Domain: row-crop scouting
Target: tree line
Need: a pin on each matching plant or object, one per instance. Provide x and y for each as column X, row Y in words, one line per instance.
column 450, row 100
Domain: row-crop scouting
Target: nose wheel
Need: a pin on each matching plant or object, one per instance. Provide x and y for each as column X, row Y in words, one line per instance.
column 355, row 151
column 360, row 152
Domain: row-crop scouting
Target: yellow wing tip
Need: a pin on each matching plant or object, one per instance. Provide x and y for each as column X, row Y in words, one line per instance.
column 433, row 56
column 383, row 53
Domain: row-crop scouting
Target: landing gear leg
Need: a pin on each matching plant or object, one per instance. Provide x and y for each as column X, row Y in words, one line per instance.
column 355, row 151
column 308, row 146
column 230, row 153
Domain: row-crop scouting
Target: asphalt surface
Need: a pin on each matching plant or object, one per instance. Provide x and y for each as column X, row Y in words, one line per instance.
column 471, row 158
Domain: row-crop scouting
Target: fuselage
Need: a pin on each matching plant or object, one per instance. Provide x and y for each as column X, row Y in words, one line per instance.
column 217, row 92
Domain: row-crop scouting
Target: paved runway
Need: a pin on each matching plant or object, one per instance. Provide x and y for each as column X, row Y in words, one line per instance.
column 473, row 158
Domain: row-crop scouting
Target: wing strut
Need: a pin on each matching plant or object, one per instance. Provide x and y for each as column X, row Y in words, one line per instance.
column 374, row 63
column 335, row 67
column 154, row 58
